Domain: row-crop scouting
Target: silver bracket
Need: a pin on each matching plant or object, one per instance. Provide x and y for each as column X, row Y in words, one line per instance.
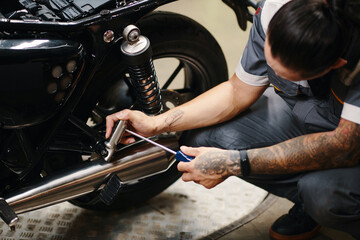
column 114, row 139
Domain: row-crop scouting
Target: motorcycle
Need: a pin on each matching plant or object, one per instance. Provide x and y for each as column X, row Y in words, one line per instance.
column 67, row 64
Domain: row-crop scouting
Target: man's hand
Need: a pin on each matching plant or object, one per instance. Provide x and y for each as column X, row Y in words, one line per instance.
column 137, row 121
column 211, row 166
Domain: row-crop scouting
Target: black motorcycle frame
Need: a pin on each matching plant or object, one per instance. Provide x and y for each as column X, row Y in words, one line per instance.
column 92, row 31
column 96, row 25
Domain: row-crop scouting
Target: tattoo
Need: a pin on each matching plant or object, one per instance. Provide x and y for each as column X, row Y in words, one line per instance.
column 224, row 163
column 339, row 148
column 173, row 118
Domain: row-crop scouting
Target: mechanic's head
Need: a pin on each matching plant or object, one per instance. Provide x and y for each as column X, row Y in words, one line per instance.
column 308, row 38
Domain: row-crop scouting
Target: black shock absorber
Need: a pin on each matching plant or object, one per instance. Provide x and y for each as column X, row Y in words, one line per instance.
column 137, row 51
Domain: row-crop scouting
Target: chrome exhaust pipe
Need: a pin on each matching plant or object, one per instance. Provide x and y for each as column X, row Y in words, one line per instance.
column 132, row 163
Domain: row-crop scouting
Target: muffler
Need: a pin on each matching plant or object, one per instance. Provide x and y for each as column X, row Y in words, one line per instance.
column 134, row 162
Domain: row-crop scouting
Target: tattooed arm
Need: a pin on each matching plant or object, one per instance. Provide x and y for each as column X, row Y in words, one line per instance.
column 214, row 106
column 217, row 105
column 338, row 148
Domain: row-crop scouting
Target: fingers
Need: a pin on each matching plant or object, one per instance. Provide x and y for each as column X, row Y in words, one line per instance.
column 190, row 151
column 127, row 140
column 110, row 121
column 187, row 177
column 207, row 183
column 187, row 169
column 184, row 167
column 113, row 118
column 191, row 172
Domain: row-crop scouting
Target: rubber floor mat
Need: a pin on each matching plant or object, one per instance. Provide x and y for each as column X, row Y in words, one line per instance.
column 183, row 211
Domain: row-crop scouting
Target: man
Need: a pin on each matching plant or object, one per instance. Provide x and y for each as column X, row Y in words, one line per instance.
column 299, row 139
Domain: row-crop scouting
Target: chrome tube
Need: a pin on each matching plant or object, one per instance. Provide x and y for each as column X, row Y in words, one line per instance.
column 114, row 139
column 135, row 162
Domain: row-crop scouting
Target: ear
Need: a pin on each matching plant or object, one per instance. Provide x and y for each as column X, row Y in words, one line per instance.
column 339, row 63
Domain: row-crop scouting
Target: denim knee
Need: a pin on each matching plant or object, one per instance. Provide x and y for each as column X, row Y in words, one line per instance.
column 331, row 200
column 194, row 138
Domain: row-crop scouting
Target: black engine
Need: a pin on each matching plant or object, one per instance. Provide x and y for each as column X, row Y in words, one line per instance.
column 55, row 10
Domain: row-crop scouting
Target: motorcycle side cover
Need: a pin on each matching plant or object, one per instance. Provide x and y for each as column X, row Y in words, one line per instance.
column 36, row 77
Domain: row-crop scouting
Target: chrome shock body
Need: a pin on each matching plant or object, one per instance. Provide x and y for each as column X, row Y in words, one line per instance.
column 137, row 51
column 138, row 55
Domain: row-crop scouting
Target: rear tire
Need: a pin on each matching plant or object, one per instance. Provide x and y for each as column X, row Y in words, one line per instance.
column 177, row 37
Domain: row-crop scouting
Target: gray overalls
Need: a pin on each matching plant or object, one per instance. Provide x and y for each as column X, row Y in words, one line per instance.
column 287, row 110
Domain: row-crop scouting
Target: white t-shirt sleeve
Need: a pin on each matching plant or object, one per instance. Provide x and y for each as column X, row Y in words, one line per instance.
column 252, row 68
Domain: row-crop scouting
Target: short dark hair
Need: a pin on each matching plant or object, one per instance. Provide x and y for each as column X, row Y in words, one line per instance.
column 309, row 36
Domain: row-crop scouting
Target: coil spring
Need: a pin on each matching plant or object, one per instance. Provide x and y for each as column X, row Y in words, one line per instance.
column 144, row 79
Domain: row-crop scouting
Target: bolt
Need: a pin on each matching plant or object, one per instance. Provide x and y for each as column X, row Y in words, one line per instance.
column 109, row 35
column 104, row 12
column 133, row 35
column 104, row 153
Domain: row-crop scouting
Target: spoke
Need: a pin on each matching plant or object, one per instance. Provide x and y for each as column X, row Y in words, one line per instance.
column 173, row 75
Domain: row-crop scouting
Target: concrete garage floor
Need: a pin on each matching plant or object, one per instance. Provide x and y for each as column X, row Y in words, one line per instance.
column 220, row 20
column 258, row 228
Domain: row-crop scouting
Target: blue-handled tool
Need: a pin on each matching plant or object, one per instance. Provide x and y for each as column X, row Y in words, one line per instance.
column 179, row 155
